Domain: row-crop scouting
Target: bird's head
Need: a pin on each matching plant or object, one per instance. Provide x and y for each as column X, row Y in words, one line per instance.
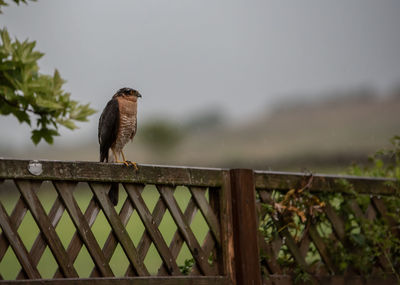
column 128, row 93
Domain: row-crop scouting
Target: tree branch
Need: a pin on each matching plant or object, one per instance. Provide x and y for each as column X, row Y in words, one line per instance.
column 16, row 105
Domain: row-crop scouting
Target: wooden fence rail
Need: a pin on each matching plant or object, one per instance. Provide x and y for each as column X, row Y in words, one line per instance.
column 173, row 225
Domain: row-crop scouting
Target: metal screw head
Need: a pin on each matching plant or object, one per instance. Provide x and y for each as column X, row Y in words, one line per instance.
column 35, row 167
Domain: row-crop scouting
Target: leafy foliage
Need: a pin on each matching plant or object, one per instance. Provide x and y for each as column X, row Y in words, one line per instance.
column 384, row 163
column 369, row 242
column 187, row 266
column 27, row 94
column 3, row 3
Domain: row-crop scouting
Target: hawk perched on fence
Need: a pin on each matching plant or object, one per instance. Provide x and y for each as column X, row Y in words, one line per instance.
column 117, row 126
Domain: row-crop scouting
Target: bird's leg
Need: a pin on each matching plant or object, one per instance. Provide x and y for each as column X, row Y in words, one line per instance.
column 129, row 162
column 116, row 158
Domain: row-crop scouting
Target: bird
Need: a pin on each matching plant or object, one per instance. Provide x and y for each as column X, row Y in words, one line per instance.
column 117, row 126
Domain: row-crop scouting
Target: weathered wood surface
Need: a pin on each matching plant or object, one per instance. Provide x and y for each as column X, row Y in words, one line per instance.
column 65, row 190
column 100, row 191
column 109, row 172
column 16, row 218
column 27, row 189
column 226, row 221
column 112, row 242
column 187, row 234
column 389, row 279
column 173, row 175
column 178, row 240
column 247, row 253
column 134, row 193
column 186, row 280
column 230, row 194
column 40, row 244
column 323, row 183
column 76, row 243
column 17, row 245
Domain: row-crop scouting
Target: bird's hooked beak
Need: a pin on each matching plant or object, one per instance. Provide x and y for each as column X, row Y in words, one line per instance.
column 139, row 95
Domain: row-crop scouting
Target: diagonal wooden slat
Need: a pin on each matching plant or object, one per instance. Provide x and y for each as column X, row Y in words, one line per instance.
column 321, row 247
column 266, row 249
column 16, row 218
column 361, row 216
column 26, row 188
column 208, row 244
column 40, row 243
column 336, row 221
column 17, row 245
column 134, row 191
column 178, row 240
column 76, row 243
column 100, row 191
column 111, row 243
column 370, row 213
column 65, row 190
column 304, row 245
column 284, row 233
column 207, row 211
column 208, row 248
column 383, row 211
column 185, row 230
column 145, row 241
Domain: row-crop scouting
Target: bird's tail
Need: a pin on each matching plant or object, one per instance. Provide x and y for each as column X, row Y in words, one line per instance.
column 113, row 193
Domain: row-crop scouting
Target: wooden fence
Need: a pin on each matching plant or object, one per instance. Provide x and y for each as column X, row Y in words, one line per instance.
column 229, row 248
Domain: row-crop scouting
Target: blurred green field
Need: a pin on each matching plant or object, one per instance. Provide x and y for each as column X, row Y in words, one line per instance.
column 28, row 231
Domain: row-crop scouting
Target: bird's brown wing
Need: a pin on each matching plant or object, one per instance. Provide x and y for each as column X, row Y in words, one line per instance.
column 108, row 128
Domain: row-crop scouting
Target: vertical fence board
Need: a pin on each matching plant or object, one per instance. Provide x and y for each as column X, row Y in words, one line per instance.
column 226, row 222
column 247, row 253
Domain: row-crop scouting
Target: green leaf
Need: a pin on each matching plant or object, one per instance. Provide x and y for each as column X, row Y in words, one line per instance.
column 36, row 136
column 22, row 116
column 7, row 65
column 44, row 103
column 5, row 38
column 23, row 87
column 57, row 80
column 46, row 134
column 68, row 124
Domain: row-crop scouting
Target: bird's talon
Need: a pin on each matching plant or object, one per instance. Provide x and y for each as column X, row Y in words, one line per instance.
column 134, row 164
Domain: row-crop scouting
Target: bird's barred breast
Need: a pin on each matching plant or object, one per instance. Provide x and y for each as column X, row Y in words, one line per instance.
column 127, row 123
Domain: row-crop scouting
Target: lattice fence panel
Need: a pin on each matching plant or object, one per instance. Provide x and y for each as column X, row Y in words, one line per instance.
column 312, row 246
column 64, row 229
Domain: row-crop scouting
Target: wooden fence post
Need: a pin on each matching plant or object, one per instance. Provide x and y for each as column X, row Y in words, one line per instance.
column 247, row 254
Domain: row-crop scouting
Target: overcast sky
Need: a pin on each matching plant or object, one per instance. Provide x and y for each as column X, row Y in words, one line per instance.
column 188, row 56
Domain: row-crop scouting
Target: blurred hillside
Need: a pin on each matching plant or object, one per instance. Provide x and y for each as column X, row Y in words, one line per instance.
column 316, row 135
